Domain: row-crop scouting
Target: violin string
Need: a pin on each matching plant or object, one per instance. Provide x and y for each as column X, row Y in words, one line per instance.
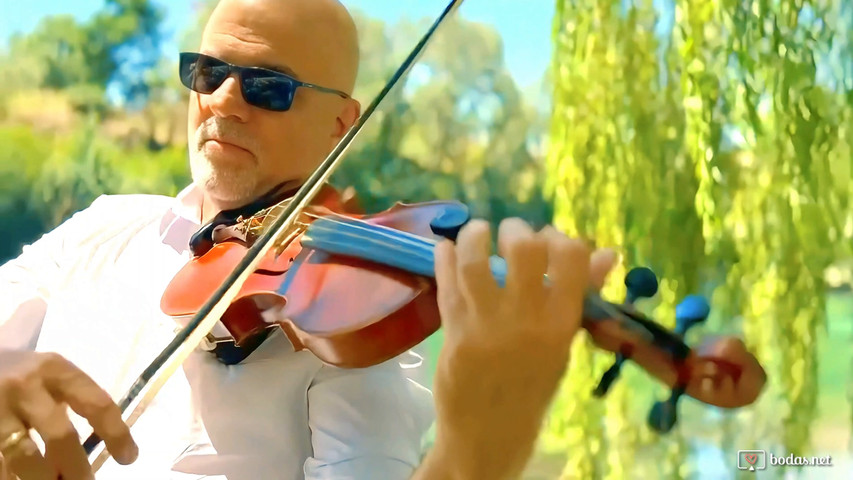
column 426, row 247
column 393, row 236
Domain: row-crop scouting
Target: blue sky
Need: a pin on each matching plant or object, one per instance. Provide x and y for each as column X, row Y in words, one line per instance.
column 526, row 31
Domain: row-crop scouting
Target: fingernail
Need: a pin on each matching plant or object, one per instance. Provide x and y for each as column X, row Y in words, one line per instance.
column 131, row 452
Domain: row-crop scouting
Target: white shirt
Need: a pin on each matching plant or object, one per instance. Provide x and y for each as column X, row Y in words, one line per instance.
column 90, row 290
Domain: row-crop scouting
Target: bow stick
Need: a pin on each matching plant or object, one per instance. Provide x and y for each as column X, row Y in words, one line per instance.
column 152, row 379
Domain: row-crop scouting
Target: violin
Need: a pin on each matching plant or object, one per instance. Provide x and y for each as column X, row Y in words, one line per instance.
column 359, row 289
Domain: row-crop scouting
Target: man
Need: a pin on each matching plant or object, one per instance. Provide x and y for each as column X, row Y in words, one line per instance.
column 80, row 317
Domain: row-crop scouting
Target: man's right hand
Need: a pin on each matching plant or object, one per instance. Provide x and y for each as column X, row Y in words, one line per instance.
column 35, row 391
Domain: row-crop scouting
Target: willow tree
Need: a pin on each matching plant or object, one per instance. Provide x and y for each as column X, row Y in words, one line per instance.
column 712, row 153
column 785, row 193
column 618, row 174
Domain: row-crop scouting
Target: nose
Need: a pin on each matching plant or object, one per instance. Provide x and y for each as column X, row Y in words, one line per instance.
column 227, row 101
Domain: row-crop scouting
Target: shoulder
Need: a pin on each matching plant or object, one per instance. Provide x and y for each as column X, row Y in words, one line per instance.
column 111, row 216
column 120, row 211
column 130, row 204
column 123, row 208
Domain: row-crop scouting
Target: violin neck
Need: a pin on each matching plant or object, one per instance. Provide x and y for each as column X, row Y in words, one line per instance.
column 376, row 243
column 411, row 253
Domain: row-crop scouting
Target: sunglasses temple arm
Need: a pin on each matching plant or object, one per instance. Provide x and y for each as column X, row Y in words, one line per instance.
column 324, row 89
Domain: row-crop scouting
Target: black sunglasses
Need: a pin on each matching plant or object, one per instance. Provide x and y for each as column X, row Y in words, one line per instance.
column 261, row 87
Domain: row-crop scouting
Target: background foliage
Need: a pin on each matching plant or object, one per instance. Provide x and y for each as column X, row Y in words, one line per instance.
column 708, row 139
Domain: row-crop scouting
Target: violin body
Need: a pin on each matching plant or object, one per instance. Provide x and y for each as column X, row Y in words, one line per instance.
column 357, row 290
column 349, row 312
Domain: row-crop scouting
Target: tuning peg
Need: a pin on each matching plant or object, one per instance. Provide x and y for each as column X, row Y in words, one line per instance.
column 449, row 223
column 640, row 282
column 663, row 415
column 693, row 310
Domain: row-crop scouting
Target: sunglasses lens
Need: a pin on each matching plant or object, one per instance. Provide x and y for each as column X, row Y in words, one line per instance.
column 201, row 73
column 268, row 91
column 262, row 88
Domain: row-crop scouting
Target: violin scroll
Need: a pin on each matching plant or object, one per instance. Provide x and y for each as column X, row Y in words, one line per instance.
column 720, row 371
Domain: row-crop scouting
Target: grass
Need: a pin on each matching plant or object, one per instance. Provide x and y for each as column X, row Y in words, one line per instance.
column 835, row 371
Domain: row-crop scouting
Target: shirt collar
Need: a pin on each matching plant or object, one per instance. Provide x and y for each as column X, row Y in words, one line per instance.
column 188, row 203
column 183, row 219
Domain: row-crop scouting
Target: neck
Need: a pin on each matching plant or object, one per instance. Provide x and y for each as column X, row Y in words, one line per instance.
column 211, row 206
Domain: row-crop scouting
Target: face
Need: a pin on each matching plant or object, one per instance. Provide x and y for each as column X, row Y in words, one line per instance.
column 238, row 151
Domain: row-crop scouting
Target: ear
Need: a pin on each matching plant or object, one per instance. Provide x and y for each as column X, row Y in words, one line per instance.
column 346, row 118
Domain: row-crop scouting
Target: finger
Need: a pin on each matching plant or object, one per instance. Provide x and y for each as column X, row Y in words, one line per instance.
column 601, row 263
column 568, row 275
column 476, row 282
column 24, row 458
column 69, row 384
column 449, row 300
column 38, row 409
column 526, row 255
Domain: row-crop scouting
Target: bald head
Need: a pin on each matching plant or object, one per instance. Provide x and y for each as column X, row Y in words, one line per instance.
column 315, row 39
column 239, row 150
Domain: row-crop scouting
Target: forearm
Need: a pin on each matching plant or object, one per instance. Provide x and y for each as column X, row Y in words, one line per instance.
column 444, row 464
column 5, row 472
column 22, row 303
column 25, row 284
column 438, row 465
column 20, row 325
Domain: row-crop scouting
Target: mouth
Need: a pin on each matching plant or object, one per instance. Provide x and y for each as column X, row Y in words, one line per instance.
column 219, row 144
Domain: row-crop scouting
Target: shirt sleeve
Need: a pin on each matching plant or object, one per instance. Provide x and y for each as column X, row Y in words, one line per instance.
column 366, row 423
column 26, row 282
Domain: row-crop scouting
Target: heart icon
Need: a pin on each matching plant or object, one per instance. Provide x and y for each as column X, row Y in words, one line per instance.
column 751, row 458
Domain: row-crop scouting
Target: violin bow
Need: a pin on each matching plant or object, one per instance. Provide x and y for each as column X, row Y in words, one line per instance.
column 152, row 379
